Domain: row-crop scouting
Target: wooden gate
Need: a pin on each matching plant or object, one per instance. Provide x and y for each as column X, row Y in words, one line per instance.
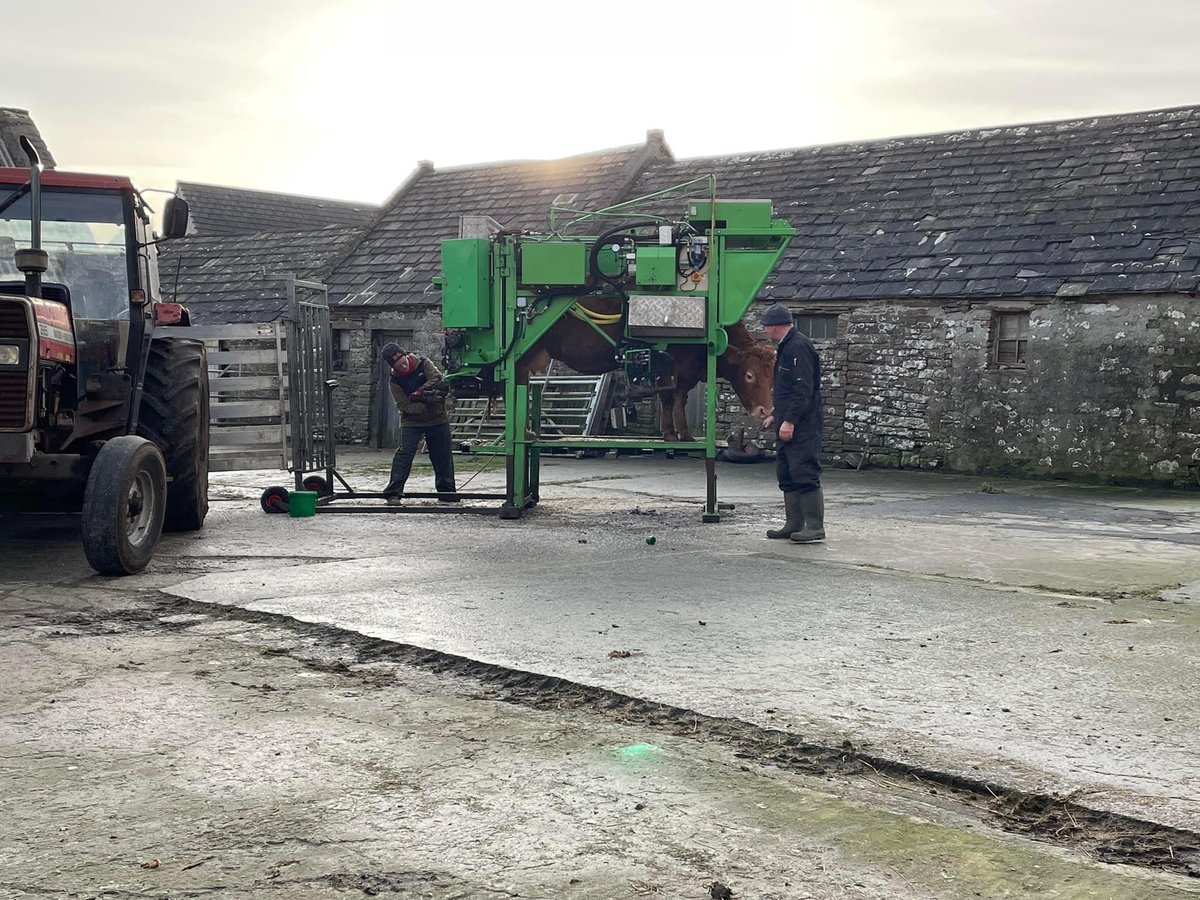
column 252, row 369
column 247, row 386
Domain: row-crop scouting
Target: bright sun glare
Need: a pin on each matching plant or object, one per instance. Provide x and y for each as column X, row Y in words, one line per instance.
column 391, row 84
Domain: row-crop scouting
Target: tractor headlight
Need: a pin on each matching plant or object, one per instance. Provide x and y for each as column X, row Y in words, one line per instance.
column 10, row 355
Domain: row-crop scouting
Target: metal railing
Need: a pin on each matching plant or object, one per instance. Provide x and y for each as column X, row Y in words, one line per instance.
column 572, row 406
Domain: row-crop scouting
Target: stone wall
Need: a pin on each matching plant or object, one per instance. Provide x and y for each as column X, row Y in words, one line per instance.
column 895, row 365
column 1110, row 389
column 1111, row 392
column 357, row 399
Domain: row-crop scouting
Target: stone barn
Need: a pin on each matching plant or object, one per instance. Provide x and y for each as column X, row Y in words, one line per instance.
column 1017, row 299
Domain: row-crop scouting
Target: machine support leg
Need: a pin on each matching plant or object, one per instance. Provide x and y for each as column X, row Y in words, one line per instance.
column 330, row 441
column 535, row 454
column 535, row 476
column 520, row 446
column 509, row 510
column 711, row 512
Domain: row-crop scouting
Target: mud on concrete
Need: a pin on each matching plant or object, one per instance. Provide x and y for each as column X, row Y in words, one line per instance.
column 153, row 747
column 1103, row 835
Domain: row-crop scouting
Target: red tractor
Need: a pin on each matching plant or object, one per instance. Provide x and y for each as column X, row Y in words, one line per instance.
column 103, row 410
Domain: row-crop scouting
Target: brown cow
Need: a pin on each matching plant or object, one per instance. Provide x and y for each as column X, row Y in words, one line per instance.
column 747, row 365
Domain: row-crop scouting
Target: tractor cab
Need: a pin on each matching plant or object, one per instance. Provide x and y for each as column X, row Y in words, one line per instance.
column 99, row 279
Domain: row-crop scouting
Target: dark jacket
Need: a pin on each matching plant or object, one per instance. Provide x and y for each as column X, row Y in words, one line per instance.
column 797, row 390
column 418, row 413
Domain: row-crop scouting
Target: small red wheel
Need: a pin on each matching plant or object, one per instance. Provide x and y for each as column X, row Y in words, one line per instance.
column 275, row 500
column 317, row 485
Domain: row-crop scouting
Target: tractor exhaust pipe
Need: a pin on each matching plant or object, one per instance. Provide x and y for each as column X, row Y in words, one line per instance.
column 33, row 261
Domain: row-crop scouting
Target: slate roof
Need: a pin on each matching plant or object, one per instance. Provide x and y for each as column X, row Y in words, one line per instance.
column 398, row 256
column 13, row 124
column 1101, row 205
column 219, row 210
column 240, row 278
column 1086, row 206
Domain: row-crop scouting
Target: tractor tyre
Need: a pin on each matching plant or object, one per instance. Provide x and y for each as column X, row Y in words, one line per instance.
column 123, row 505
column 174, row 415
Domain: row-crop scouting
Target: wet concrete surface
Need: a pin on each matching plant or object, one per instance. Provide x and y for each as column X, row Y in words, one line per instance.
column 1033, row 635
column 1039, row 636
column 150, row 748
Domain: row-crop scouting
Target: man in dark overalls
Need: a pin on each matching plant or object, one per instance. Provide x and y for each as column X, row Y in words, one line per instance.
column 414, row 385
column 797, row 415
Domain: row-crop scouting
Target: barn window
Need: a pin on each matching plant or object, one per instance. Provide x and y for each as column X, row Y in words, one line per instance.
column 341, row 350
column 816, row 326
column 1010, row 331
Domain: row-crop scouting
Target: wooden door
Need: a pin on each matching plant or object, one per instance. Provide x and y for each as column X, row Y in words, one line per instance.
column 385, row 426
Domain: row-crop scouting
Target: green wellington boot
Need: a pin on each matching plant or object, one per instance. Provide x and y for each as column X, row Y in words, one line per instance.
column 813, row 504
column 795, row 516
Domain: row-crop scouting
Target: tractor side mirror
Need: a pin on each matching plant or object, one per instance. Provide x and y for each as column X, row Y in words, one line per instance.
column 175, row 218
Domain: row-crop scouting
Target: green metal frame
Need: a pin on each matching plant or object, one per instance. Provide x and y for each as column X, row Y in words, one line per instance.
column 739, row 260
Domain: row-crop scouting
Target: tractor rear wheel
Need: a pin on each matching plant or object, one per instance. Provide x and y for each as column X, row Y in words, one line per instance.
column 123, row 505
column 174, row 415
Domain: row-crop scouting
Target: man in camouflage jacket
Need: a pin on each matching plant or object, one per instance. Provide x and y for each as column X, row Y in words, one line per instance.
column 414, row 384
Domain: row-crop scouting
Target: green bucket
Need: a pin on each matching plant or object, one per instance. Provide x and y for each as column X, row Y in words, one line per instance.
column 302, row 504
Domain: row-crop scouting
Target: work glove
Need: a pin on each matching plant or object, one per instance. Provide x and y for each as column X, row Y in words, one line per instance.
column 417, row 397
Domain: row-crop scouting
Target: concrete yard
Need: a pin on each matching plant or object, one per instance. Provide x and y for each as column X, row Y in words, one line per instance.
column 975, row 688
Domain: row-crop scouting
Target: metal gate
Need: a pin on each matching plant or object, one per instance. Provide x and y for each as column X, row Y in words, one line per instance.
column 572, row 406
column 310, row 377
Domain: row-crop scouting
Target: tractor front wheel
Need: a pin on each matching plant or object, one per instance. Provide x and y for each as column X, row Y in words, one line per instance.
column 123, row 506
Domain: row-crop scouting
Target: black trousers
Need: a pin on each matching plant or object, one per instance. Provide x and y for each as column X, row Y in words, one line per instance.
column 798, row 463
column 437, row 441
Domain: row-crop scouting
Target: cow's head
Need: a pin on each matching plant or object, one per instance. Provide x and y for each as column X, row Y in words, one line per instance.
column 750, row 370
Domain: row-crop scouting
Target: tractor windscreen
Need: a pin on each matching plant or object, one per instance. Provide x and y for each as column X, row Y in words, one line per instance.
column 85, row 235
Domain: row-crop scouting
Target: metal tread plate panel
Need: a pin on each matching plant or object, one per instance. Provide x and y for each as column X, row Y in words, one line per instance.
column 661, row 315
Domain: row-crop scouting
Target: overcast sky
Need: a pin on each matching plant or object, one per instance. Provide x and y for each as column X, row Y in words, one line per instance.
column 341, row 99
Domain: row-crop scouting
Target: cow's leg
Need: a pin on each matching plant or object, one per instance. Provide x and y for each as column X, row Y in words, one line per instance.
column 679, row 410
column 679, row 413
column 535, row 361
column 666, row 403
